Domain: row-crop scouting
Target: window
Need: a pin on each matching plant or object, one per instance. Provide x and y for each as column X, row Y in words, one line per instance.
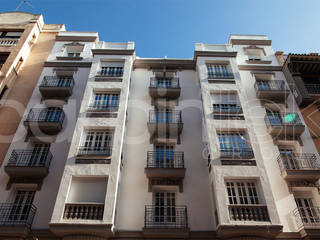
column 165, row 207
column 308, row 213
column 254, row 53
column 97, row 142
column 218, row 71
column 164, row 156
column 224, row 103
column 242, row 192
column 232, row 141
column 111, row 71
column 3, row 58
column 73, row 54
column 17, row 68
column 106, row 101
column 14, row 35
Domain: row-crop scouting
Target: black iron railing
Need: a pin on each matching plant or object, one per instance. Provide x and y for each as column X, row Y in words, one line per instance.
column 282, row 119
column 298, row 161
column 165, row 159
column 308, row 217
column 45, row 115
column 313, row 88
column 56, row 81
column 164, row 82
column 165, row 217
column 30, row 158
column 244, row 153
column 111, row 72
column 17, row 214
column 103, row 107
column 104, row 150
column 158, row 116
column 83, row 211
column 273, row 85
column 226, row 75
column 227, row 108
column 257, row 213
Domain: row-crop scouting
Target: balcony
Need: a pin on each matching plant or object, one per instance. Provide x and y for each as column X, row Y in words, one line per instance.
column 257, row 213
column 110, row 74
column 163, row 221
column 8, row 42
column 16, row 219
column 227, row 108
column 46, row 120
column 28, row 163
column 83, row 211
column 82, row 219
column 279, row 124
column 164, row 88
column 56, row 87
column 308, row 221
column 165, row 164
column 222, row 75
column 313, row 89
column 236, row 153
column 275, row 90
column 100, row 110
column 165, row 124
column 95, row 151
column 299, row 166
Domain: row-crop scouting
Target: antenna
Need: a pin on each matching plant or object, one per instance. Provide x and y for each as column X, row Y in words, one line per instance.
column 22, row 2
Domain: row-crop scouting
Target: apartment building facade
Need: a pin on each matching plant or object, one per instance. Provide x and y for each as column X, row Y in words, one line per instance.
column 25, row 43
column 113, row 146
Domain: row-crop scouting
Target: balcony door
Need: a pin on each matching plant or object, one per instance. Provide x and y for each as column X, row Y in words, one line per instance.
column 274, row 117
column 98, row 141
column 52, row 114
column 164, row 82
column 288, row 158
column 164, row 116
column 21, row 205
column 308, row 213
column 165, row 208
column 232, row 141
column 39, row 154
column 164, row 156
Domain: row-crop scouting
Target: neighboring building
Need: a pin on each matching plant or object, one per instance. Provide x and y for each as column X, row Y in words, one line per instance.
column 302, row 72
column 212, row 147
column 25, row 43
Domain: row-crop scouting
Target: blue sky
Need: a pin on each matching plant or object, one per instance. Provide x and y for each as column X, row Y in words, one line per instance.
column 171, row 27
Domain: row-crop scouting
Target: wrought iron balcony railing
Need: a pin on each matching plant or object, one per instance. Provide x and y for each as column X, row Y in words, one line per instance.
column 111, row 72
column 257, row 213
column 83, row 211
column 313, row 88
column 226, row 108
column 45, row 115
column 283, row 119
column 103, row 107
column 17, row 214
column 307, row 217
column 104, row 150
column 30, row 158
column 298, row 161
column 244, row 153
column 225, row 75
column 165, row 217
column 165, row 159
column 56, row 81
column 158, row 116
column 273, row 85
column 8, row 42
column 164, row 82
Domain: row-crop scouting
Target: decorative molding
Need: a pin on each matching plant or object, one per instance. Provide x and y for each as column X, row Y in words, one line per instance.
column 68, row 64
column 163, row 62
column 77, row 38
column 213, row 54
column 259, row 68
column 250, row 42
column 113, row 51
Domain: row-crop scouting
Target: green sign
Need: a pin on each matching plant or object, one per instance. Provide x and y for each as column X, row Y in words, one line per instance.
column 290, row 117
